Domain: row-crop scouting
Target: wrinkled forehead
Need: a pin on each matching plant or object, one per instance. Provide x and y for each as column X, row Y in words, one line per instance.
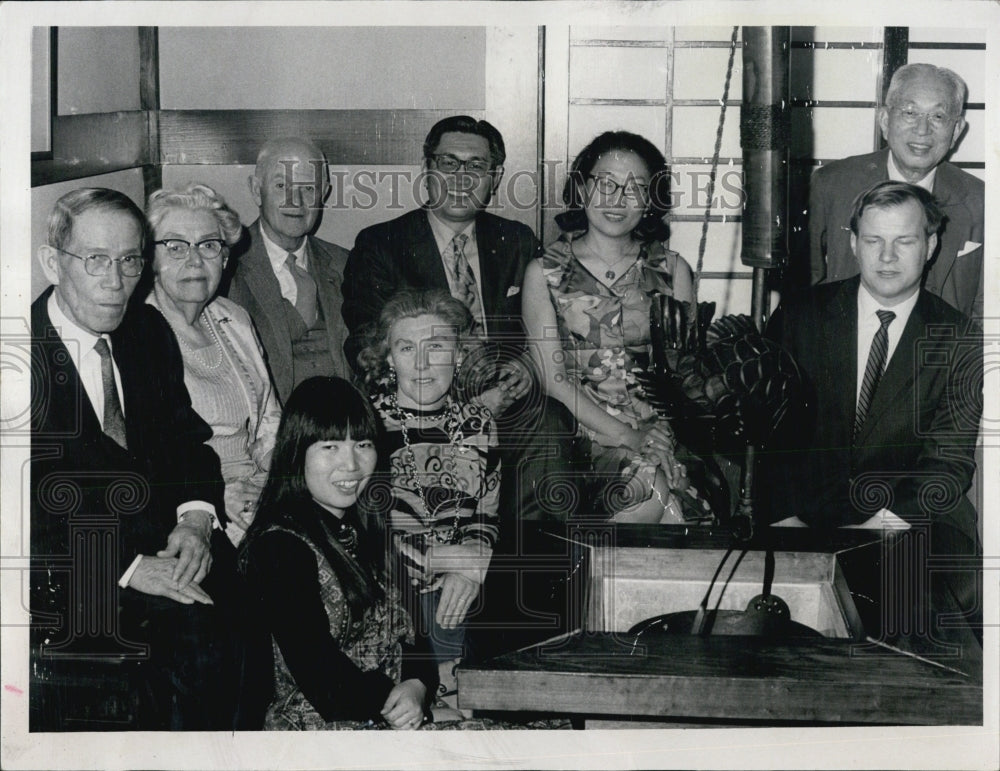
column 298, row 165
column 105, row 227
column 421, row 329
column 927, row 91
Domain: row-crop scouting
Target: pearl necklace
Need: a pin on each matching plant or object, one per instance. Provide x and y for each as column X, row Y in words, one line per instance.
column 453, row 427
column 201, row 353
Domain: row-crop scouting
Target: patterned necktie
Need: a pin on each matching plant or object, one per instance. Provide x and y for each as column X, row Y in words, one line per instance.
column 466, row 289
column 114, row 418
column 874, row 368
column 305, row 291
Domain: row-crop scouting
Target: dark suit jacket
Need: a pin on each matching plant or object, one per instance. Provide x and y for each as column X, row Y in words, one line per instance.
column 80, row 476
column 914, row 454
column 956, row 279
column 255, row 287
column 403, row 253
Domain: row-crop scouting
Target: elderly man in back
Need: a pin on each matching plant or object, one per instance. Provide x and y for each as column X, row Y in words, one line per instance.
column 921, row 121
column 287, row 279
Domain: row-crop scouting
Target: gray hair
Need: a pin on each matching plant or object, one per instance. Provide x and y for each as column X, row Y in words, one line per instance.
column 908, row 72
column 273, row 149
column 84, row 199
column 405, row 304
column 195, row 197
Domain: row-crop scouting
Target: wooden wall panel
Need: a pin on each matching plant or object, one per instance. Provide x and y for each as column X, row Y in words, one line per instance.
column 346, row 136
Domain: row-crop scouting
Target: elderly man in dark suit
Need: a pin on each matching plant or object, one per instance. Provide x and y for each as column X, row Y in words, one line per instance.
column 287, row 279
column 127, row 555
column 895, row 381
column 921, row 121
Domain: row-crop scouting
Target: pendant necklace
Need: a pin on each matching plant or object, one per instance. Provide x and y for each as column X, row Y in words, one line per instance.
column 610, row 274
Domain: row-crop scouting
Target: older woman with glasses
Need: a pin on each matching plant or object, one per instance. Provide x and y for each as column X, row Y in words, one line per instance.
column 224, row 369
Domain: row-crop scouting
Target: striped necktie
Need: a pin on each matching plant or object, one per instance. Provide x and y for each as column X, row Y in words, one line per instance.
column 466, row 289
column 874, row 368
column 114, row 418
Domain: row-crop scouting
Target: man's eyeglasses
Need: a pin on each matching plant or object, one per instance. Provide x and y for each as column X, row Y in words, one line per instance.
column 632, row 189
column 130, row 265
column 179, row 249
column 449, row 164
column 936, row 120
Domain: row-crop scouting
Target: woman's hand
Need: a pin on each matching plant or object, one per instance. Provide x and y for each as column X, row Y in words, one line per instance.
column 457, row 594
column 241, row 502
column 656, row 443
column 404, row 707
column 471, row 560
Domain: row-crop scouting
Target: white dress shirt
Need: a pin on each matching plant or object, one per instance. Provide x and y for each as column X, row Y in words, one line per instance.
column 80, row 344
column 927, row 182
column 444, row 235
column 868, row 324
column 279, row 264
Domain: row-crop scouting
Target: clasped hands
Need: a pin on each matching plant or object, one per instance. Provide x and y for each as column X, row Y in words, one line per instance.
column 177, row 570
column 458, row 571
column 655, row 442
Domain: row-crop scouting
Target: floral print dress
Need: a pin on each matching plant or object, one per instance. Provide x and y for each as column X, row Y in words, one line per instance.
column 605, row 335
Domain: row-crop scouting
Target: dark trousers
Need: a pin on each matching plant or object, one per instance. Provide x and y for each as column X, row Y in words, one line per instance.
column 159, row 665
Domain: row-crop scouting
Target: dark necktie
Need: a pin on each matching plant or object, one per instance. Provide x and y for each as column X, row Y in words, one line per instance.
column 114, row 418
column 466, row 290
column 874, row 368
column 305, row 291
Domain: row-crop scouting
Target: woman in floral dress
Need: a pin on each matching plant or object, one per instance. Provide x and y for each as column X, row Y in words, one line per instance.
column 594, row 285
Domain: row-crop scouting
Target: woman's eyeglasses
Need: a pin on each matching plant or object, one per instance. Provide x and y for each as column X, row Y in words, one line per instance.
column 179, row 249
column 632, row 189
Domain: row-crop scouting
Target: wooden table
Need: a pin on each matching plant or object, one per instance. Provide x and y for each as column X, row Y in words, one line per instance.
column 737, row 680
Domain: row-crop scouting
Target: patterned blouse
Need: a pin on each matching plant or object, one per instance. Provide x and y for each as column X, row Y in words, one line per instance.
column 445, row 482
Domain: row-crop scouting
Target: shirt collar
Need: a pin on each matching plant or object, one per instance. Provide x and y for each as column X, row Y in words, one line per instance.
column 927, row 183
column 279, row 256
column 78, row 341
column 443, row 234
column 868, row 305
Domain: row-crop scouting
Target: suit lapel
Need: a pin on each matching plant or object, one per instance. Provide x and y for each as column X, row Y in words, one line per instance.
column 68, row 410
column 491, row 264
column 263, row 286
column 331, row 299
column 840, row 340
column 950, row 195
column 425, row 259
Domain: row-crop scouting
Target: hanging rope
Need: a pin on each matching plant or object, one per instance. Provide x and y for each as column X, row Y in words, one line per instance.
column 715, row 163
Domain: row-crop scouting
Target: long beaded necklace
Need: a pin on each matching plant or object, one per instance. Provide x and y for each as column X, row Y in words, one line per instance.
column 453, row 428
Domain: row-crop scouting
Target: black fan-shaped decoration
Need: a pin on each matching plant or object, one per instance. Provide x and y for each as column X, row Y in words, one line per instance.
column 722, row 385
